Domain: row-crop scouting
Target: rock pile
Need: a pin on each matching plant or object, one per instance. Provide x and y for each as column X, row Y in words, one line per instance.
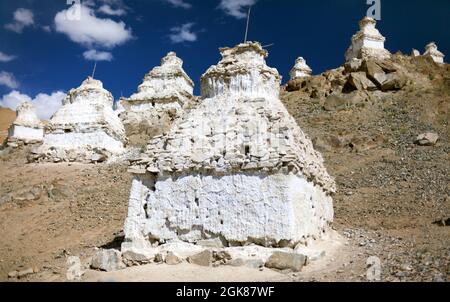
column 367, row 42
column 349, row 84
column 27, row 128
column 159, row 101
column 84, row 129
column 300, row 69
column 237, row 167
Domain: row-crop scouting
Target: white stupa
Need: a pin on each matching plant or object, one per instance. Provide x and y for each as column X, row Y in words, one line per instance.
column 236, row 167
column 160, row 98
column 300, row 69
column 432, row 50
column 84, row 126
column 367, row 42
column 415, row 53
column 27, row 128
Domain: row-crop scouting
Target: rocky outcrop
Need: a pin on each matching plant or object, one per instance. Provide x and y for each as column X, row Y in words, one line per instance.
column 84, row 129
column 367, row 42
column 160, row 100
column 357, row 75
column 236, row 167
column 27, row 128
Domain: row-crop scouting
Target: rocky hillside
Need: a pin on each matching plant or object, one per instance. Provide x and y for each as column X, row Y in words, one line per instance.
column 392, row 202
column 366, row 119
column 7, row 116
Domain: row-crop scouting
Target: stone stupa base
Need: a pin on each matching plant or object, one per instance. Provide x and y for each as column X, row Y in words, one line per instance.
column 281, row 210
column 21, row 135
column 91, row 147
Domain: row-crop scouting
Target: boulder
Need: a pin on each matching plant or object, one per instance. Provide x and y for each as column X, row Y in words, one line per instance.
column 159, row 258
column 172, row 259
column 221, row 257
column 74, row 271
column 353, row 65
column 98, row 158
column 296, row 84
column 286, row 261
column 211, row 243
column 204, row 258
column 25, row 273
column 138, row 256
column 394, row 81
column 374, row 72
column 427, row 139
column 107, row 260
column 387, row 66
column 359, row 81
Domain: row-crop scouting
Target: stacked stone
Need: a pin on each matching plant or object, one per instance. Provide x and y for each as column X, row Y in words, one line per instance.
column 236, row 167
column 367, row 42
column 85, row 128
column 300, row 69
column 27, row 128
column 160, row 99
column 432, row 50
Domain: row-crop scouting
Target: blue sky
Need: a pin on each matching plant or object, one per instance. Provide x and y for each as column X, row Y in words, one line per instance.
column 42, row 54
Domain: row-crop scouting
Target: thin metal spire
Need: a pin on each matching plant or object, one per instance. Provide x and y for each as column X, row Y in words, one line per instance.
column 95, row 67
column 248, row 22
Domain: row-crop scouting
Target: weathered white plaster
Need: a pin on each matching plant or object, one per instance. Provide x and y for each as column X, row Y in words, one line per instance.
column 367, row 42
column 300, row 69
column 168, row 81
column 97, row 139
column 26, row 133
column 239, row 207
column 242, row 72
column 432, row 50
column 236, row 166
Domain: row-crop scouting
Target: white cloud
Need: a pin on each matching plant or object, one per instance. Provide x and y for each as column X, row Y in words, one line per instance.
column 108, row 10
column 90, row 30
column 46, row 105
column 180, row 3
column 6, row 58
column 94, row 55
column 183, row 33
column 22, row 18
column 236, row 8
column 7, row 79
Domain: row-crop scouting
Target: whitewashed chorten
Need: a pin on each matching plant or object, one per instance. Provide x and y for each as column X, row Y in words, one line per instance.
column 27, row 128
column 84, row 127
column 367, row 42
column 432, row 50
column 160, row 98
column 236, row 167
column 300, row 69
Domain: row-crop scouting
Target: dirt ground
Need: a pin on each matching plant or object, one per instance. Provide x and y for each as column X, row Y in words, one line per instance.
column 6, row 118
column 393, row 198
